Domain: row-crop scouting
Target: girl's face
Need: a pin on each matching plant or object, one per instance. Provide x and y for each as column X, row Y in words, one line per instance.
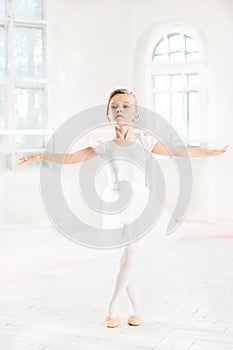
column 122, row 109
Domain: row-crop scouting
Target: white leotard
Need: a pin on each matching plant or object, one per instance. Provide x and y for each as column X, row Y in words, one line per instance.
column 125, row 163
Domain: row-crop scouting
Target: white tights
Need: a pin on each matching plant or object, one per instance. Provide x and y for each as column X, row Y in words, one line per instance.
column 125, row 281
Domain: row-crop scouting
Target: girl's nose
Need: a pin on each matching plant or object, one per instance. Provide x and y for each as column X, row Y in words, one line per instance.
column 118, row 108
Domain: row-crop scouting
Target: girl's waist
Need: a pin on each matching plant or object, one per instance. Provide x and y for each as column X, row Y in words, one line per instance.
column 125, row 185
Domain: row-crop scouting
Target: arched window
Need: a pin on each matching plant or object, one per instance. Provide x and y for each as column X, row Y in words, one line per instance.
column 176, row 82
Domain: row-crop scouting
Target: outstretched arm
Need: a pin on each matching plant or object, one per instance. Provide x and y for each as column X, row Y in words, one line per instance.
column 69, row 158
column 191, row 152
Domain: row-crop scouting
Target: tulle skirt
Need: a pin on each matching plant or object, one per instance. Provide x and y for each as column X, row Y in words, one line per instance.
column 132, row 217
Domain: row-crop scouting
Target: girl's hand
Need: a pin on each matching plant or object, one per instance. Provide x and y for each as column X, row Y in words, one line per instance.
column 217, row 152
column 30, row 159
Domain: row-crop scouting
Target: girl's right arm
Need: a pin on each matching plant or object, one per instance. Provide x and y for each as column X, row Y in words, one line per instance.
column 69, row 158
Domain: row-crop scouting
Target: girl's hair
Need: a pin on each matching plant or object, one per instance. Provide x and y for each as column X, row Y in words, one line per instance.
column 120, row 91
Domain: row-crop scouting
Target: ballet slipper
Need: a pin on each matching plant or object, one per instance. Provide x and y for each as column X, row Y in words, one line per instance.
column 134, row 320
column 113, row 322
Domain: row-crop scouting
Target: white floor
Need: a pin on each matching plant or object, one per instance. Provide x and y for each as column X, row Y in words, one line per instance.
column 54, row 292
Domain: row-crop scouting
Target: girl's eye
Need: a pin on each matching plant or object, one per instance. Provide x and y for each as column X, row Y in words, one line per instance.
column 116, row 106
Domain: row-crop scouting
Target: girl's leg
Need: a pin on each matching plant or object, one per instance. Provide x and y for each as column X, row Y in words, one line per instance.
column 124, row 282
column 133, row 297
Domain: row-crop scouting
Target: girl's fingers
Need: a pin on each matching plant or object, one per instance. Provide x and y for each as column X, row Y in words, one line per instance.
column 29, row 159
column 222, row 150
column 23, row 161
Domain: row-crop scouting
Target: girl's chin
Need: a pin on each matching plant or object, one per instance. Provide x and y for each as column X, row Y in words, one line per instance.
column 121, row 122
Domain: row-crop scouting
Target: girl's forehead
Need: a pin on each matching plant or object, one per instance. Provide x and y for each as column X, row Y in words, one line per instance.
column 124, row 98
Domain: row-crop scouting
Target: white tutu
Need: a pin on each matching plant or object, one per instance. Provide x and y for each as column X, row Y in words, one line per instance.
column 129, row 218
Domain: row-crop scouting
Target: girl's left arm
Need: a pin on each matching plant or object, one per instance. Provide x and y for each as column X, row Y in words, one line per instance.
column 191, row 152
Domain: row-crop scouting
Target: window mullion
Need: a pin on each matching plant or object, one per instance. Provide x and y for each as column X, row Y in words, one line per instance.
column 32, row 22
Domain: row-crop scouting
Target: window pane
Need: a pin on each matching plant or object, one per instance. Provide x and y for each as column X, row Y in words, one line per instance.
column 5, row 161
column 160, row 82
column 193, row 105
column 160, row 48
column 30, row 141
column 193, row 81
column 2, row 50
column 175, row 42
column 3, row 140
column 29, row 108
column 177, row 113
column 193, row 56
column 159, row 58
column 3, row 108
column 28, row 9
column 3, row 8
column 176, row 81
column 162, row 104
column 190, row 44
column 176, row 56
column 28, row 52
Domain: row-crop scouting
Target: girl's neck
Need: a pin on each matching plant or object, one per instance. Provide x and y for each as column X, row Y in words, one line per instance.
column 123, row 132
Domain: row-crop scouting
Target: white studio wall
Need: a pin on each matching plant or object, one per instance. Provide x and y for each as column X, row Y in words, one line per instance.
column 94, row 47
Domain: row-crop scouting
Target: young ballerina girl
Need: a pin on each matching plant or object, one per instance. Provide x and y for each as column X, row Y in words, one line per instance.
column 122, row 111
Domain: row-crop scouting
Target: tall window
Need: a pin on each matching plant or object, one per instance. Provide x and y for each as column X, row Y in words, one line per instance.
column 176, row 83
column 23, row 117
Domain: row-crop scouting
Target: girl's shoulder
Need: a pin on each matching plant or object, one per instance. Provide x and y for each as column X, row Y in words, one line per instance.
column 147, row 141
column 99, row 146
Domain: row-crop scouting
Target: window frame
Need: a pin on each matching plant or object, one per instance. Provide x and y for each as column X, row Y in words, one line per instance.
column 10, row 82
column 195, row 66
